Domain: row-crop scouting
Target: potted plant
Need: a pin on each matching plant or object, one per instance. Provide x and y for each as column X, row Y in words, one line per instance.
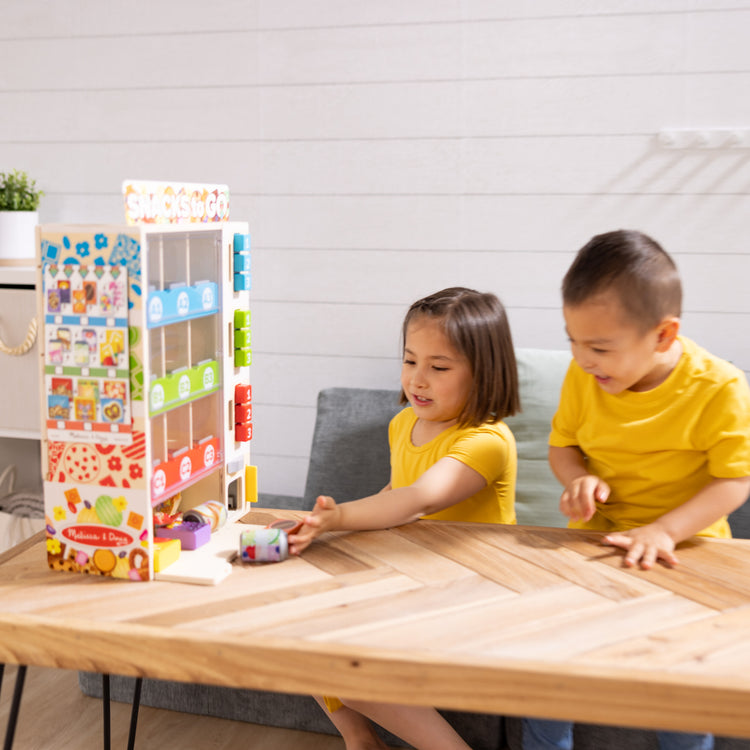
column 19, row 204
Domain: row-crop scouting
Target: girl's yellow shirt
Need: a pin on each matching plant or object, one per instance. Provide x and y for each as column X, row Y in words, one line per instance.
column 489, row 449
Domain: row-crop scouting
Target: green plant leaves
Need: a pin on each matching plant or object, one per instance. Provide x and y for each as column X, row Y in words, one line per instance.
column 18, row 192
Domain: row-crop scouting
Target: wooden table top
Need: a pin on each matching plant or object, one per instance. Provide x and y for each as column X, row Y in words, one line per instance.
column 502, row 619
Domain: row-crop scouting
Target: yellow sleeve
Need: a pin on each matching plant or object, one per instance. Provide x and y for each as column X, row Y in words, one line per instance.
column 724, row 430
column 485, row 449
column 332, row 704
column 567, row 417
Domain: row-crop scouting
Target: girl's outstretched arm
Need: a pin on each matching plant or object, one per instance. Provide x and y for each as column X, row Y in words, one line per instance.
column 445, row 483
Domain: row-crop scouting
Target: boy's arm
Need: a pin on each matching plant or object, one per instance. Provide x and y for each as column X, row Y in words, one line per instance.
column 657, row 540
column 582, row 489
column 445, row 483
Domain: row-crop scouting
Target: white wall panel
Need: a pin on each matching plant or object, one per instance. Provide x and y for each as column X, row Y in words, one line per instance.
column 558, row 223
column 33, row 18
column 404, row 110
column 712, row 101
column 176, row 115
column 590, row 165
column 392, row 277
column 283, row 475
column 295, row 379
column 101, row 167
column 159, row 61
column 354, row 111
column 360, row 221
column 315, row 13
column 723, row 334
column 360, row 53
column 295, row 433
column 327, row 328
column 601, row 45
column 382, row 150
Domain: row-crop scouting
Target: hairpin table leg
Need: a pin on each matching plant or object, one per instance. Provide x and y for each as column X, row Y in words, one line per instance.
column 105, row 710
column 15, row 705
column 134, row 712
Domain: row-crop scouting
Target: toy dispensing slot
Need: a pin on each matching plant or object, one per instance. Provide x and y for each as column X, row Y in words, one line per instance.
column 234, row 493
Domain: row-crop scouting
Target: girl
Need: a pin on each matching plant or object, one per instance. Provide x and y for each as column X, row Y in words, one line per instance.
column 452, row 458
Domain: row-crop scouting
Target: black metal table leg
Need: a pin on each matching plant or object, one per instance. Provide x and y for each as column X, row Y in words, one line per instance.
column 134, row 712
column 105, row 711
column 15, row 705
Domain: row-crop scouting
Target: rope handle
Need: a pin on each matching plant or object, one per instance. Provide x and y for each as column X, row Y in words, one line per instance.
column 28, row 342
column 9, row 473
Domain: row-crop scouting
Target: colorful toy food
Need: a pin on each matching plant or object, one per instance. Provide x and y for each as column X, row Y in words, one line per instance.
column 107, row 511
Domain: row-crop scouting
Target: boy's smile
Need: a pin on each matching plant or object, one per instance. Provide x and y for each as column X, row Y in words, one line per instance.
column 616, row 351
column 435, row 377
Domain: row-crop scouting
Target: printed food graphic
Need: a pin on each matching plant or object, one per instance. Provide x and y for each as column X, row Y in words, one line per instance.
column 93, row 532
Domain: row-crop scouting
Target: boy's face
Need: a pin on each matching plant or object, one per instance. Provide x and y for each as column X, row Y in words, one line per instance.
column 436, row 378
column 616, row 351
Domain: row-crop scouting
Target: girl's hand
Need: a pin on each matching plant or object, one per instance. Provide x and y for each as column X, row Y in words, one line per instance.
column 324, row 517
column 578, row 501
column 646, row 545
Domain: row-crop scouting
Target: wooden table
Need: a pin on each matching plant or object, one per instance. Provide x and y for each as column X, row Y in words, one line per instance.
column 502, row 619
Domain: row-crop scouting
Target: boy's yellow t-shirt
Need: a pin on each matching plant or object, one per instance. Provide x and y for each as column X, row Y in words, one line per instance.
column 489, row 449
column 657, row 448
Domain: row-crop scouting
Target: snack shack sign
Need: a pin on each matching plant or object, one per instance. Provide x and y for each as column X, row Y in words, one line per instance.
column 174, row 203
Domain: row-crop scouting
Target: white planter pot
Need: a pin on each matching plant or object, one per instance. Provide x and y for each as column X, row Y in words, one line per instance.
column 18, row 237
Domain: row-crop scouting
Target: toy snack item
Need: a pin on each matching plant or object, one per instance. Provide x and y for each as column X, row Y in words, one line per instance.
column 190, row 534
column 212, row 512
column 286, row 525
column 263, row 545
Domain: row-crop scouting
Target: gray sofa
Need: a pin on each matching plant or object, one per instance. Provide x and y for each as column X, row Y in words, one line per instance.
column 349, row 458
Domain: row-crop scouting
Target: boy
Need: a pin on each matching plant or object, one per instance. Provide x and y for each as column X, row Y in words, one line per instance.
column 651, row 440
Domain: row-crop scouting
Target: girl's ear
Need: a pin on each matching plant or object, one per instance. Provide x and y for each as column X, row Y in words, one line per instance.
column 668, row 330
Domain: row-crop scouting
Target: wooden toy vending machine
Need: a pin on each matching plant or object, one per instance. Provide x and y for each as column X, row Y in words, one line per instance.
column 146, row 395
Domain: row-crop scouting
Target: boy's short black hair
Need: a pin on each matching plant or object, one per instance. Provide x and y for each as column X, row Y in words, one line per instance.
column 636, row 267
column 476, row 324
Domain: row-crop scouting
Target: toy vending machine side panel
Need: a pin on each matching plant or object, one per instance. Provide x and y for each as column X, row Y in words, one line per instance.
column 241, row 483
column 93, row 442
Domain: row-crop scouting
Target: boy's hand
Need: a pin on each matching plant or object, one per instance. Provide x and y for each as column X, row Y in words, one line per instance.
column 578, row 501
column 324, row 517
column 646, row 545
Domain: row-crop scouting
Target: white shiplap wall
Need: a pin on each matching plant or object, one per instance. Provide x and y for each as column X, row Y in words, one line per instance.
column 383, row 150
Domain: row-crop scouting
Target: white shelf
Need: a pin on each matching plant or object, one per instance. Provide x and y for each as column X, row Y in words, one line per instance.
column 20, row 275
column 20, row 434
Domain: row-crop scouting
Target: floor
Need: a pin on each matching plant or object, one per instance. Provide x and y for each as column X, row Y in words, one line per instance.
column 55, row 714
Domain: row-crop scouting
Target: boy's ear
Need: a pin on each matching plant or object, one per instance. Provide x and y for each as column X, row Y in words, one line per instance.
column 668, row 330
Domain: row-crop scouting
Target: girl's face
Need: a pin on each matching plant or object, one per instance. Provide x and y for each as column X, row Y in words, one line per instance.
column 435, row 377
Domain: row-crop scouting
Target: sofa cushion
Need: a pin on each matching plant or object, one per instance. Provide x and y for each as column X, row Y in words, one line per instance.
column 739, row 521
column 540, row 376
column 350, row 457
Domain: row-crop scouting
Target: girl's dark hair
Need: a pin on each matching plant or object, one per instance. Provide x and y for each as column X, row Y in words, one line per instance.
column 477, row 326
column 636, row 267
